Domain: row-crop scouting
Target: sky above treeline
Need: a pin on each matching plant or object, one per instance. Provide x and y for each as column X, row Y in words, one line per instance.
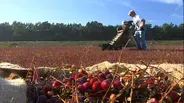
column 108, row 12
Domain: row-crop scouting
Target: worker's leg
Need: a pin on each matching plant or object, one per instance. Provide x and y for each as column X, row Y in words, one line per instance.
column 137, row 39
column 143, row 40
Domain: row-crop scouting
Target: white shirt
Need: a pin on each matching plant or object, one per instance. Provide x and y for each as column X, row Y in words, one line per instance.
column 137, row 21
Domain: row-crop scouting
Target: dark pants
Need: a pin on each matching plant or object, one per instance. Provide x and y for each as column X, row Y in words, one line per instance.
column 140, row 39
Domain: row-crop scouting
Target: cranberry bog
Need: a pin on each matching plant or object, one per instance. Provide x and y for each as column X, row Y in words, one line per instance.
column 56, row 56
column 75, row 84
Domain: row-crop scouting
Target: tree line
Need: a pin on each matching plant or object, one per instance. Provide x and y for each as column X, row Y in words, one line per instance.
column 94, row 30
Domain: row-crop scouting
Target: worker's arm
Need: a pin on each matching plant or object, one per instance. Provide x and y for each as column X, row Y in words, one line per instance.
column 139, row 23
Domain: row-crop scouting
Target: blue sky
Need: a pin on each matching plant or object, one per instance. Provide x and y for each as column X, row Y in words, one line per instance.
column 108, row 12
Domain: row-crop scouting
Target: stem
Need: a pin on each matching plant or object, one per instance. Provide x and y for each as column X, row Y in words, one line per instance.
column 29, row 71
column 57, row 80
column 116, row 70
column 131, row 93
column 61, row 98
column 179, row 100
column 169, row 90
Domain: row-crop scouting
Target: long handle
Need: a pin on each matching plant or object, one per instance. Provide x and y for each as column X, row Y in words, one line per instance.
column 127, row 43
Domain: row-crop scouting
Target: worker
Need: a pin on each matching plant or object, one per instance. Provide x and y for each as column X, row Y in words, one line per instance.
column 140, row 27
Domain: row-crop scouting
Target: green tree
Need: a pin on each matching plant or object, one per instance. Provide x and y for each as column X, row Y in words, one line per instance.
column 93, row 30
column 5, row 31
